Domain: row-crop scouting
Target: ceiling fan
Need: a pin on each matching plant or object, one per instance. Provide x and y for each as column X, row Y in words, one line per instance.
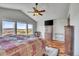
column 35, row 11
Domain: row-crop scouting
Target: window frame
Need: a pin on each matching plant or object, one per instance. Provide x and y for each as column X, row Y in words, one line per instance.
column 22, row 23
column 32, row 29
column 15, row 26
column 7, row 21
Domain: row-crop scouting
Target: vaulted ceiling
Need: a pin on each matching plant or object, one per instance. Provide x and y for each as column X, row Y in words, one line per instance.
column 53, row 10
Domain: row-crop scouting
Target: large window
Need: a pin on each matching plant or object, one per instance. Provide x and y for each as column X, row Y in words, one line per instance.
column 21, row 28
column 30, row 29
column 8, row 28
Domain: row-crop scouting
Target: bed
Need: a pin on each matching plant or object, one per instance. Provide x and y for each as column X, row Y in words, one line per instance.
column 29, row 47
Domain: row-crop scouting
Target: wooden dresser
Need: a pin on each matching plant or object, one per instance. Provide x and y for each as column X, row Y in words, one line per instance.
column 69, row 40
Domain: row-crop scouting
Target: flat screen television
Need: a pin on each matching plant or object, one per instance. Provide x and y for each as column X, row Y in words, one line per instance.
column 48, row 22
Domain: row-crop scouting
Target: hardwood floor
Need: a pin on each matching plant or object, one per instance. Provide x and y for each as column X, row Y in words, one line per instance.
column 57, row 44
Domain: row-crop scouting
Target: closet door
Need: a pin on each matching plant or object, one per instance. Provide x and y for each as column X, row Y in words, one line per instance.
column 49, row 29
column 49, row 32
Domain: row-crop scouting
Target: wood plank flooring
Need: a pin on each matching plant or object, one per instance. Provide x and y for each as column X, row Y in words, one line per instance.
column 57, row 44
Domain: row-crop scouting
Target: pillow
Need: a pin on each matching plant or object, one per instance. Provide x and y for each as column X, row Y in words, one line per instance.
column 21, row 37
column 10, row 37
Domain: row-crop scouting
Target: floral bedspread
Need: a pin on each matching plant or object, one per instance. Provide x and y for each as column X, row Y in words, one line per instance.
column 27, row 48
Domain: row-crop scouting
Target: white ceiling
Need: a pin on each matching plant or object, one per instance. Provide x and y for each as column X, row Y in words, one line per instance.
column 53, row 10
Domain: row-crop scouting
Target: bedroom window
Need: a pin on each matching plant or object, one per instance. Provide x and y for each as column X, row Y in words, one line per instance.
column 21, row 28
column 8, row 28
column 30, row 29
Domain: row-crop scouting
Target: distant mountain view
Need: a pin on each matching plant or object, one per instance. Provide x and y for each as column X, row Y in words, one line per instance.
column 21, row 32
column 8, row 31
column 24, row 32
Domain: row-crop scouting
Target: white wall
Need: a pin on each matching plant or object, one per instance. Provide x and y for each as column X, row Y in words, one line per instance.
column 41, row 27
column 74, row 15
column 58, row 28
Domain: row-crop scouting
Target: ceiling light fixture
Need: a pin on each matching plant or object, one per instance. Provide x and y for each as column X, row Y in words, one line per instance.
column 36, row 12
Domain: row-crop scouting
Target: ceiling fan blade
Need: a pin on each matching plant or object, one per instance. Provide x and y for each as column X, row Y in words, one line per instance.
column 34, row 8
column 41, row 14
column 33, row 14
column 42, row 11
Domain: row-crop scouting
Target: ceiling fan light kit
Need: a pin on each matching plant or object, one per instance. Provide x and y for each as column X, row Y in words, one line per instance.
column 36, row 12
